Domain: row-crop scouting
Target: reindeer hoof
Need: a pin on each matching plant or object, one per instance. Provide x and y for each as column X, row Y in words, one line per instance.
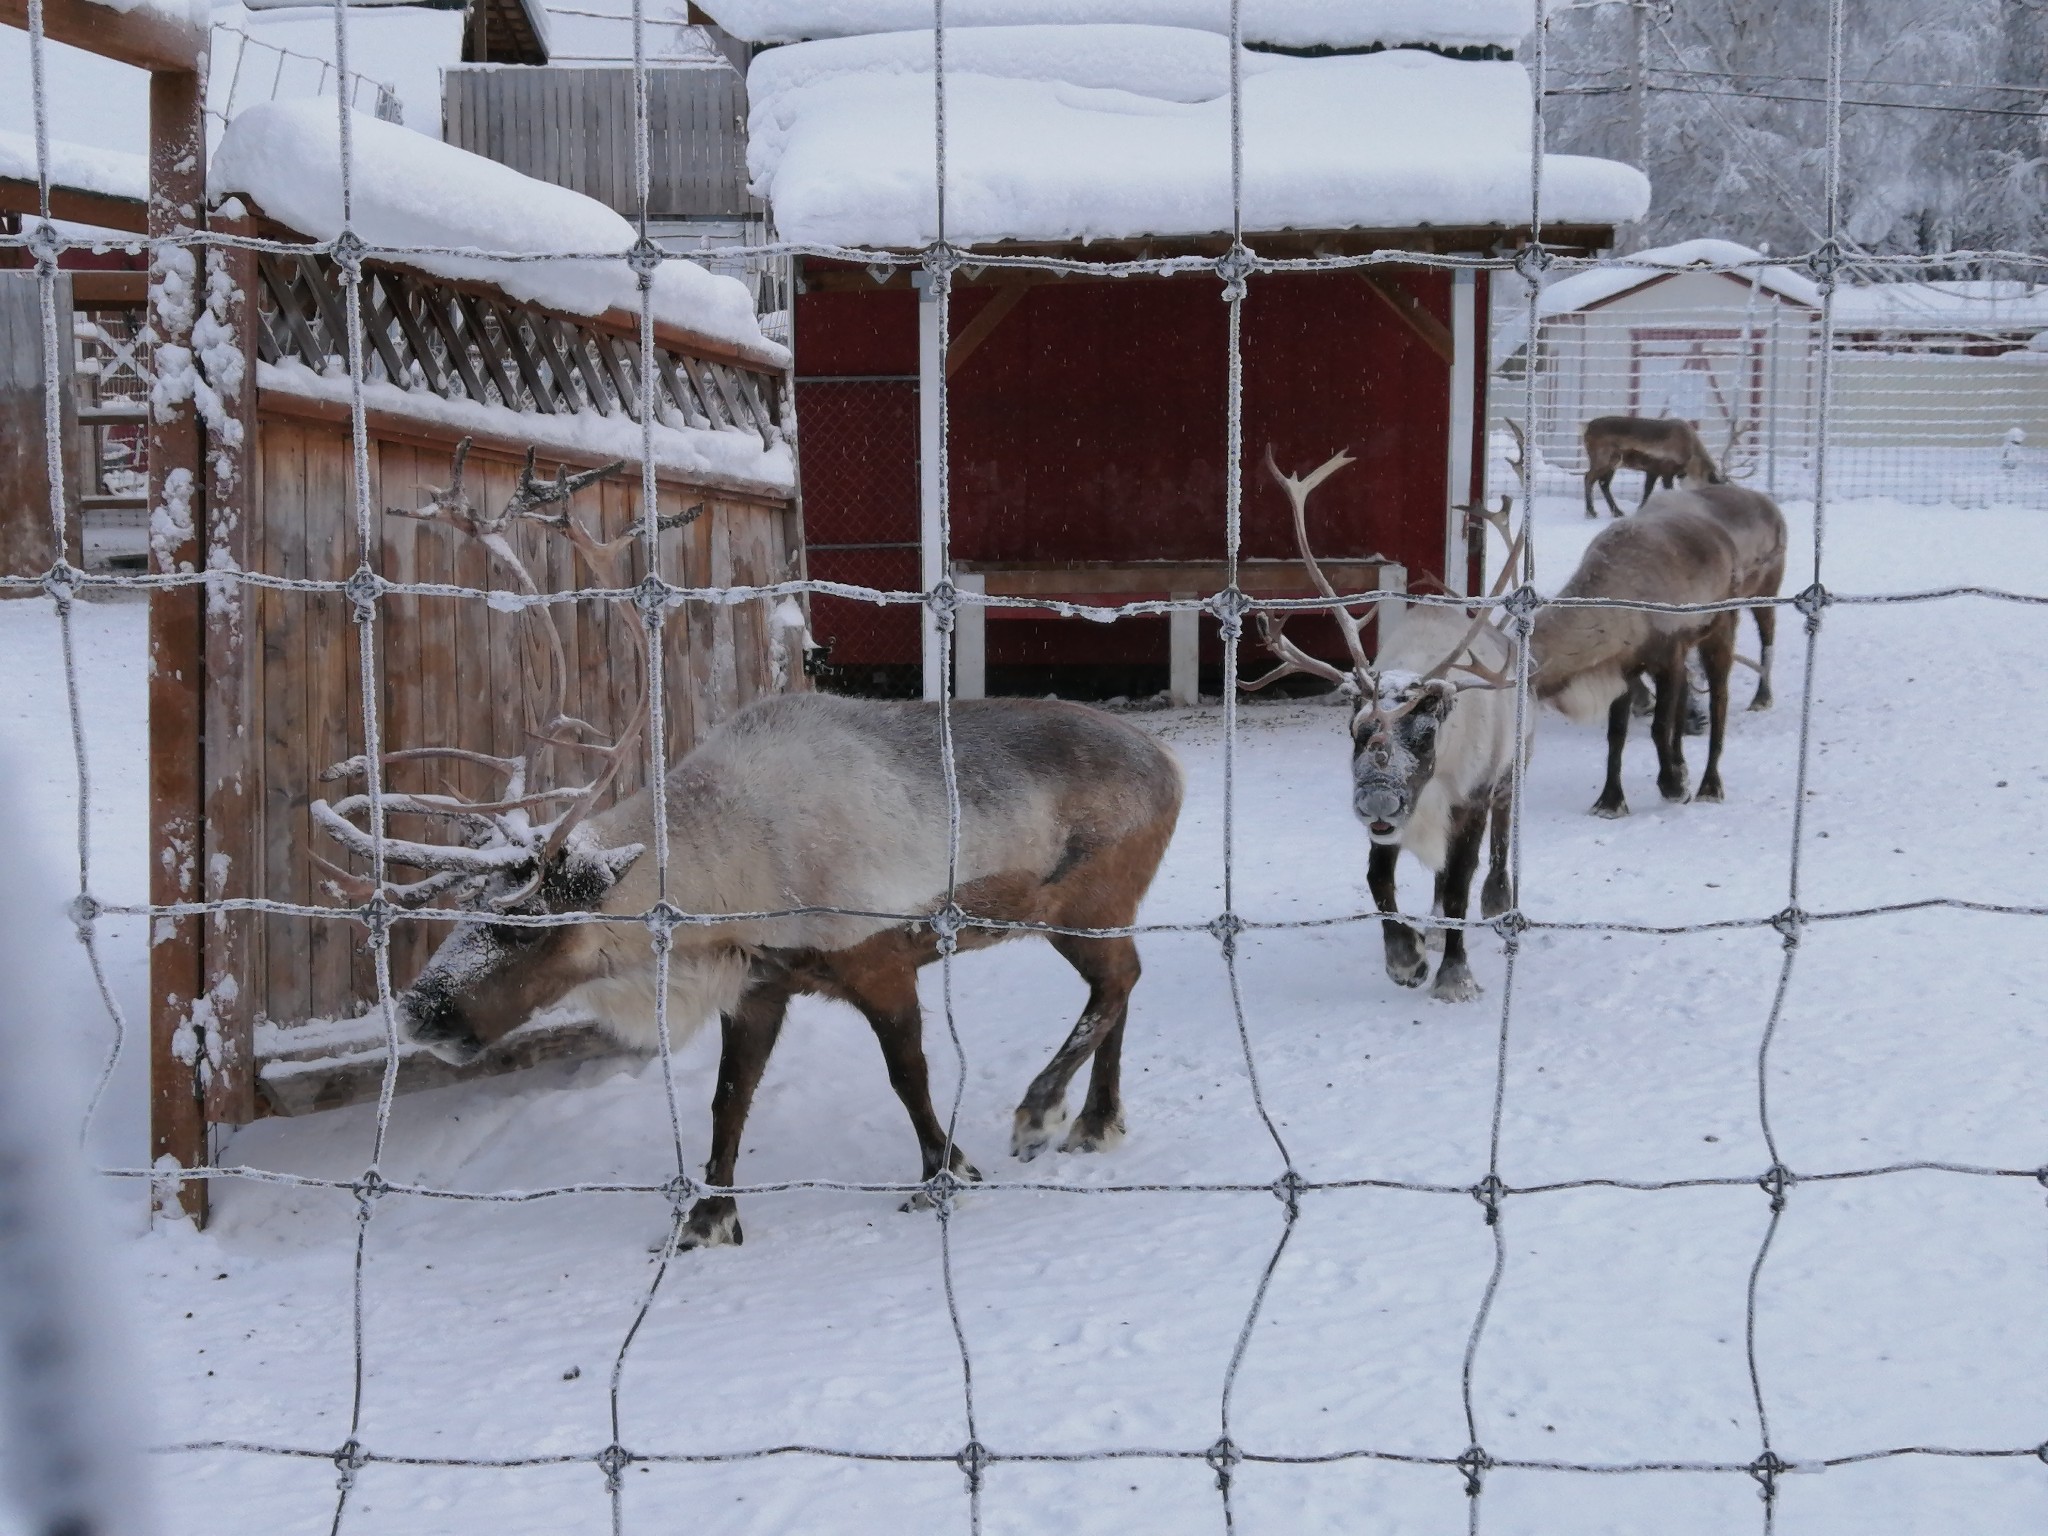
column 1711, row 791
column 1412, row 974
column 1612, row 812
column 1677, row 791
column 1762, row 700
column 1090, row 1134
column 712, row 1223
column 1031, row 1134
column 1455, row 986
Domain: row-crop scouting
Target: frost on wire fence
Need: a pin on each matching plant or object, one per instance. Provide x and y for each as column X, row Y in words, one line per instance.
column 334, row 254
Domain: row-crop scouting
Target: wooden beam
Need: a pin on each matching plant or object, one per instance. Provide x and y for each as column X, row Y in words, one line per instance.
column 144, row 37
column 1434, row 333
column 982, row 326
column 92, row 288
column 76, row 205
column 177, row 180
column 232, row 717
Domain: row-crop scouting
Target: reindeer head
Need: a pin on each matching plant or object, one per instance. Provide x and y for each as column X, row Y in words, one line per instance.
column 1395, row 716
column 527, row 852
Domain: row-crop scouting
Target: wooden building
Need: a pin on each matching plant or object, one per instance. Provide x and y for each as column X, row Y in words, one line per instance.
column 1086, row 409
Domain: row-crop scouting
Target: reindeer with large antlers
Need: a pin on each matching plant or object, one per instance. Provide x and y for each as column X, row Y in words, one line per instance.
column 1433, row 748
column 822, row 827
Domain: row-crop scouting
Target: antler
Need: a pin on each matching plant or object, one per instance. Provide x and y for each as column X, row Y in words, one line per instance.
column 1298, row 492
column 1462, row 657
column 518, row 831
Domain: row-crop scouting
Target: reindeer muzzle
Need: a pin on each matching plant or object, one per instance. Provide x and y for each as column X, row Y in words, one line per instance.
column 440, row 1032
column 1382, row 805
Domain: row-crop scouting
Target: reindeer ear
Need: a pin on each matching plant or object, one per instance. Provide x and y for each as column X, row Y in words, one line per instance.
column 1437, row 695
column 616, row 861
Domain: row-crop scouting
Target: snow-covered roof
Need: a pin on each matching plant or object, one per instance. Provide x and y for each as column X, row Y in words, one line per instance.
column 1583, row 290
column 1101, row 131
column 108, row 172
column 410, row 190
column 1999, row 305
column 1285, row 23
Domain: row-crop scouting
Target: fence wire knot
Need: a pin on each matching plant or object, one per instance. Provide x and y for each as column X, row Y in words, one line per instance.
column 1532, row 261
column 942, row 259
column 1475, row 1464
column 972, row 1461
column 650, row 596
column 1288, row 1190
column 611, row 1461
column 1234, row 266
column 1789, row 923
column 645, row 259
column 1774, row 1182
column 1824, row 262
column 663, row 918
column 1224, row 929
column 84, row 911
column 348, row 251
column 362, row 589
column 1222, row 1457
column 62, row 581
column 44, row 246
column 1766, row 1469
column 1810, row 602
column 1489, row 1192
column 348, row 1461
column 1511, row 925
column 683, row 1189
column 1521, row 605
column 942, row 1189
column 944, row 602
column 946, row 924
column 1230, row 606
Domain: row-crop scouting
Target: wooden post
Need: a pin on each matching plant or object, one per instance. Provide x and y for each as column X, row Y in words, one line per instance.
column 231, row 752
column 26, row 545
column 1458, row 469
column 177, row 193
column 930, row 381
column 1184, row 654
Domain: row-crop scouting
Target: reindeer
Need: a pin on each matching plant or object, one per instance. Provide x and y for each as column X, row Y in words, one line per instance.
column 1674, row 551
column 1756, row 527
column 1432, row 756
column 810, row 836
column 1662, row 448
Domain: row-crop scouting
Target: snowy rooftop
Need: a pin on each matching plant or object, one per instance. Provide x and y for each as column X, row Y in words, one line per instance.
column 1103, row 131
column 107, row 172
column 1285, row 23
column 1583, row 290
column 1986, row 305
column 410, row 190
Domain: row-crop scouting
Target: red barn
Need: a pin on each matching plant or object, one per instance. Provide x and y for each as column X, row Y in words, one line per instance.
column 1087, row 418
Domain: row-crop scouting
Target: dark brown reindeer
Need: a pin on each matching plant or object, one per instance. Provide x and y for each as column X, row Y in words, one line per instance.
column 1662, row 448
column 1756, row 527
column 820, row 825
column 1585, row 660
column 1433, row 755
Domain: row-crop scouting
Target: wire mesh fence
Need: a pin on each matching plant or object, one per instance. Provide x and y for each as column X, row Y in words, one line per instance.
column 1953, row 410
column 1491, row 1195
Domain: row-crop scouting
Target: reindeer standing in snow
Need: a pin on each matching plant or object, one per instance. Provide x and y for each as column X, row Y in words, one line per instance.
column 1663, row 448
column 1433, row 756
column 811, row 834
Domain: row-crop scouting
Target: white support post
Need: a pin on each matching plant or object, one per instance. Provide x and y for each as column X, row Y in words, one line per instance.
column 970, row 639
column 1459, row 479
column 1184, row 652
column 930, row 381
column 1393, row 578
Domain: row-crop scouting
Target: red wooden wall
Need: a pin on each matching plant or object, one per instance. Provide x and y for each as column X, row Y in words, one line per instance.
column 1090, row 425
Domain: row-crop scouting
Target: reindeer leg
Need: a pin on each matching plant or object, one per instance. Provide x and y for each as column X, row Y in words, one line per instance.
column 1591, row 476
column 1766, row 638
column 886, row 996
column 749, row 1034
column 1611, row 803
column 1110, row 967
column 1717, row 655
column 1668, row 728
column 1650, row 478
column 1498, row 893
column 1454, row 981
column 1406, row 961
column 1607, row 490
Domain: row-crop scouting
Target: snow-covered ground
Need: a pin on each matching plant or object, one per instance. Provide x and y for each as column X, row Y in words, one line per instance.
column 1903, row 1310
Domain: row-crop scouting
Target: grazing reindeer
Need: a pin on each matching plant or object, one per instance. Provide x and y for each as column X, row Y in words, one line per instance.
column 1587, row 659
column 1432, row 756
column 821, row 825
column 1662, row 448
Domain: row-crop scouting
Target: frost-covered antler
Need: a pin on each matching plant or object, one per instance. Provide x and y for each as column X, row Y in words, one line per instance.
column 521, row 831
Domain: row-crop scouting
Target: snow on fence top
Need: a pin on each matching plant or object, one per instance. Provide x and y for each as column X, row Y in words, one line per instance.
column 1283, row 23
column 1103, row 132
column 2000, row 305
column 1582, row 290
column 412, row 191
column 107, row 172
